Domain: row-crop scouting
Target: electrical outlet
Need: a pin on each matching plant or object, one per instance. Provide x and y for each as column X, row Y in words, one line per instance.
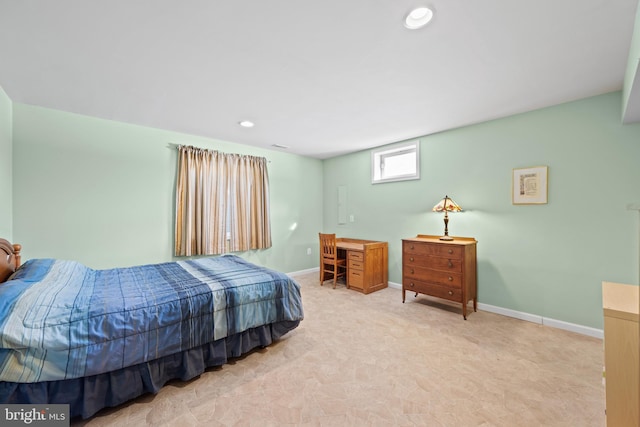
column 352, row 218
column 308, row 251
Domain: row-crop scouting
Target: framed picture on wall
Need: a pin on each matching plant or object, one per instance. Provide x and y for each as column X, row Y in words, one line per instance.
column 529, row 186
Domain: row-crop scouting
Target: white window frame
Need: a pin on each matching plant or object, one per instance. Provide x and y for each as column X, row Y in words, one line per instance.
column 379, row 155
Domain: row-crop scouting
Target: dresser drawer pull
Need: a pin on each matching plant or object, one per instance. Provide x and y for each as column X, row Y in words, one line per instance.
column 450, row 278
column 411, row 259
column 450, row 251
column 450, row 264
column 412, row 271
column 412, row 285
column 411, row 247
column 450, row 292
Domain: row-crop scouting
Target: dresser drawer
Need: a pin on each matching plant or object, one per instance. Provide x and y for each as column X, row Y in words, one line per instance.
column 356, row 265
column 452, row 294
column 356, row 256
column 433, row 276
column 436, row 249
column 437, row 263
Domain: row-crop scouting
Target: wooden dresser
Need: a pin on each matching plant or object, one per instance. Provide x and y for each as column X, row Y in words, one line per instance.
column 621, row 361
column 439, row 268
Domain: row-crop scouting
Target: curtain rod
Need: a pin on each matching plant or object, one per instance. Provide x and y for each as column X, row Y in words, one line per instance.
column 173, row 146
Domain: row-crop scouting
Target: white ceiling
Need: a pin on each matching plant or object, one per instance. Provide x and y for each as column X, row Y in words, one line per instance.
column 322, row 77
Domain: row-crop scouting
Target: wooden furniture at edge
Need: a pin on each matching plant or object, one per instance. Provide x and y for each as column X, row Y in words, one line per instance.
column 621, row 360
column 367, row 264
column 441, row 268
column 331, row 263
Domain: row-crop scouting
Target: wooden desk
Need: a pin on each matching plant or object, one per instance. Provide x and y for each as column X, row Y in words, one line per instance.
column 367, row 264
column 621, row 360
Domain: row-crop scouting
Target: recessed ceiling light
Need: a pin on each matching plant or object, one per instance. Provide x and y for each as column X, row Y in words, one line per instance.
column 246, row 124
column 418, row 18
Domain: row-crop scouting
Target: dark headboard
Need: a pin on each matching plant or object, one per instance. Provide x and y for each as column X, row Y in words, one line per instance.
column 9, row 259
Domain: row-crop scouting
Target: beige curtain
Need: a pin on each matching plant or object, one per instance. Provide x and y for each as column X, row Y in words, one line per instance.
column 222, row 202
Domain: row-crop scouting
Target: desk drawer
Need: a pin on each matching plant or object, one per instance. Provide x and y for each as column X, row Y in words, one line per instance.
column 356, row 256
column 445, row 292
column 356, row 279
column 356, row 265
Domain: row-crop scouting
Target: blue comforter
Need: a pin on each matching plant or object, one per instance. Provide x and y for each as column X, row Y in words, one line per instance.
column 62, row 320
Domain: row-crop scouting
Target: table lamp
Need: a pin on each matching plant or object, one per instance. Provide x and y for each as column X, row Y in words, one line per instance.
column 447, row 205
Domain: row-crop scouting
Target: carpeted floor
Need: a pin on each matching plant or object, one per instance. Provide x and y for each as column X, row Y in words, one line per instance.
column 369, row 360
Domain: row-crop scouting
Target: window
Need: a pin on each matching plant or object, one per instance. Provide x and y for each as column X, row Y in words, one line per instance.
column 399, row 163
column 222, row 203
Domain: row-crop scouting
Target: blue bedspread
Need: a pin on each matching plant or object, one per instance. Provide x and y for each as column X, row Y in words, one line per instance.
column 61, row 319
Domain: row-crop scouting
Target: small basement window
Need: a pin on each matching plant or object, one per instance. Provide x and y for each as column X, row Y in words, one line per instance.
column 399, row 163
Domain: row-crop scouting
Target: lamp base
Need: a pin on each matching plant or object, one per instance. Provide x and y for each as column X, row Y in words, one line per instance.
column 447, row 238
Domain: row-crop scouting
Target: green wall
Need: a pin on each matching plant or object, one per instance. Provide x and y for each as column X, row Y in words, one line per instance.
column 102, row 192
column 548, row 260
column 6, row 187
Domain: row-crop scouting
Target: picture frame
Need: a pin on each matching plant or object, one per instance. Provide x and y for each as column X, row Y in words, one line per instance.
column 529, row 186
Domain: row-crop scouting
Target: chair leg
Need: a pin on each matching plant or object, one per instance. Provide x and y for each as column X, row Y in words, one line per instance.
column 336, row 271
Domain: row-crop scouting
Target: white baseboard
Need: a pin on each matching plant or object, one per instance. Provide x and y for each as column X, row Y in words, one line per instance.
column 308, row 270
column 395, row 285
column 580, row 329
column 534, row 318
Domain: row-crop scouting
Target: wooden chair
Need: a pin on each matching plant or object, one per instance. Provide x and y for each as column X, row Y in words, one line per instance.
column 330, row 262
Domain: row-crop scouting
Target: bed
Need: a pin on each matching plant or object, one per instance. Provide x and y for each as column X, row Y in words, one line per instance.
column 98, row 338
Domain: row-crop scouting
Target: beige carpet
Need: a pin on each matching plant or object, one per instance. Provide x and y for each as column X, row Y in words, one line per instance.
column 369, row 360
